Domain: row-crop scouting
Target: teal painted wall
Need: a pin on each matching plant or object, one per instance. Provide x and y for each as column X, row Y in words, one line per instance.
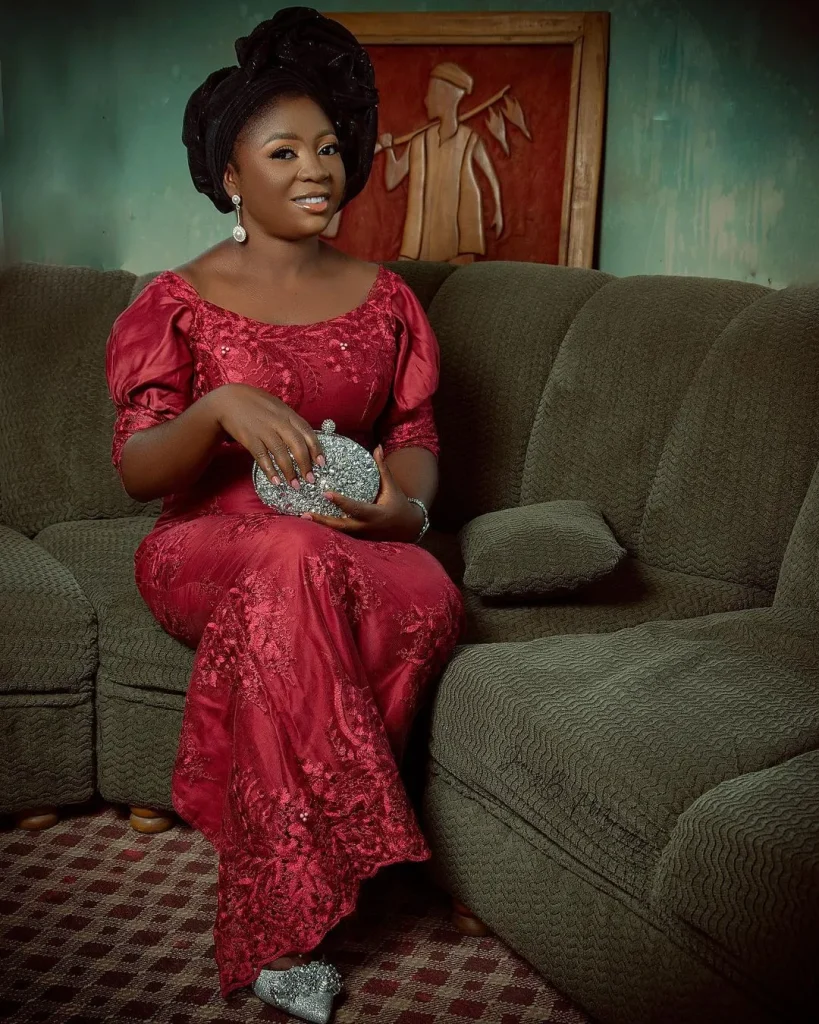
column 712, row 146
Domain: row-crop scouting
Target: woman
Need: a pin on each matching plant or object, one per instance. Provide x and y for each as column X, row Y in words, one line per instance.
column 316, row 638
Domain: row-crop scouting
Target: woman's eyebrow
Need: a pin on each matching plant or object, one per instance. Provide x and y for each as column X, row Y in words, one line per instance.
column 281, row 135
column 292, row 137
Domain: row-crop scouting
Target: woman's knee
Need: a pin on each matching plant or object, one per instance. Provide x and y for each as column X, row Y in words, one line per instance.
column 288, row 541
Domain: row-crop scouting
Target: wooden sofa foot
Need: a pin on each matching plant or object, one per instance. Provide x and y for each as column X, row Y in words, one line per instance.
column 147, row 819
column 465, row 921
column 36, row 818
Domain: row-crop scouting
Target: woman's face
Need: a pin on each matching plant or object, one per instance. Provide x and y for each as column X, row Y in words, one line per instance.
column 287, row 168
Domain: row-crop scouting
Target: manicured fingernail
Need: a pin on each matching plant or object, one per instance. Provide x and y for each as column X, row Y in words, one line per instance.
column 310, row 478
column 321, row 461
column 327, row 494
column 276, row 480
column 306, row 515
column 294, row 483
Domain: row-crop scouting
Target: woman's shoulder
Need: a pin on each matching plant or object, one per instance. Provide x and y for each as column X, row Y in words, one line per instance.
column 166, row 288
column 166, row 300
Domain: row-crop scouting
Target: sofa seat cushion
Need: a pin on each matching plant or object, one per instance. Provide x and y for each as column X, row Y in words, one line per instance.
column 533, row 550
column 633, row 593
column 47, row 628
column 134, row 650
column 600, row 742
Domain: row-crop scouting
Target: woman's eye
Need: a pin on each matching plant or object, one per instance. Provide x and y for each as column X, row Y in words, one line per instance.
column 329, row 150
column 285, row 153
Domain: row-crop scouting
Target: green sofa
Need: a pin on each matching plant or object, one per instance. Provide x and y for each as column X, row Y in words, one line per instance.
column 622, row 779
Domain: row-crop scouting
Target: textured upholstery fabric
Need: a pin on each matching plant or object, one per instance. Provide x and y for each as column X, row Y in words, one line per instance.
column 536, row 549
column 500, row 326
column 137, row 736
column 143, row 673
column 602, row 741
column 592, row 940
column 46, row 749
column 424, row 278
column 623, row 371
column 633, row 593
column 743, row 448
column 55, row 414
column 133, row 649
column 798, row 585
column 742, row 867
column 48, row 634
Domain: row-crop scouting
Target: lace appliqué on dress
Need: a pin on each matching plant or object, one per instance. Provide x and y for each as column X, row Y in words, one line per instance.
column 303, row 854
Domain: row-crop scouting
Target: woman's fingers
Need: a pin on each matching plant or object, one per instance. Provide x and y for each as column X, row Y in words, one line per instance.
column 276, row 448
column 299, row 456
column 362, row 510
column 334, row 522
column 313, row 446
column 261, row 450
column 262, row 456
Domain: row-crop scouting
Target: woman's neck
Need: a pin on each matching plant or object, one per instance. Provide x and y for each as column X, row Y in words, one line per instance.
column 264, row 257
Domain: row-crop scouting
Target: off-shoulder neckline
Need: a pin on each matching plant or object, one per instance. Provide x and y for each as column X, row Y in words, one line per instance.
column 383, row 274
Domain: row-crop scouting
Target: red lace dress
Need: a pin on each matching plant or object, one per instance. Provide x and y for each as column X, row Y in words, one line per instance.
column 313, row 649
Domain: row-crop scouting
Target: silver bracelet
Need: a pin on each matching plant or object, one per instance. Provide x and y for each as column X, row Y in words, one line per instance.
column 425, row 527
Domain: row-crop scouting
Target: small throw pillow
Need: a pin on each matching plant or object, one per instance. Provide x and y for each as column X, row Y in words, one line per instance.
column 536, row 549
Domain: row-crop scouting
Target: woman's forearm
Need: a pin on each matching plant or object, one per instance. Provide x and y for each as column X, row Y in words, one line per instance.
column 173, row 455
column 416, row 472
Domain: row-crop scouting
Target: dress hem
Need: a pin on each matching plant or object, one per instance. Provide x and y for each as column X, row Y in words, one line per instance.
column 348, row 908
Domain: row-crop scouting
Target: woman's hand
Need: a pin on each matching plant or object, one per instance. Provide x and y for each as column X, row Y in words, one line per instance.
column 263, row 423
column 390, row 517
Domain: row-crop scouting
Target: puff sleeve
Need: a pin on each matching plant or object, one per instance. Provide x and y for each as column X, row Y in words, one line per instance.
column 149, row 366
column 407, row 420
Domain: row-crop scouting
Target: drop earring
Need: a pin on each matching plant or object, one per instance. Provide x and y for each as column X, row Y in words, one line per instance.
column 239, row 232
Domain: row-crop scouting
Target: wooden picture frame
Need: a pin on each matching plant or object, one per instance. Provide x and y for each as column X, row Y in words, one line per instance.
column 587, row 35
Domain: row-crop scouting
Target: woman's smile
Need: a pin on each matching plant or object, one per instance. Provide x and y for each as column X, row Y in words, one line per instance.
column 313, row 202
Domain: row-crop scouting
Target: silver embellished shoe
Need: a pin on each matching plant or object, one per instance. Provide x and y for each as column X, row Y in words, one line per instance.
column 305, row 991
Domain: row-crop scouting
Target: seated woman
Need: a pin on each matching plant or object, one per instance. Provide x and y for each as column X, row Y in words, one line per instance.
column 317, row 637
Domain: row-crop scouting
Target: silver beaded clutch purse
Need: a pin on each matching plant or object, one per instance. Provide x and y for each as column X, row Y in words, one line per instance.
column 349, row 470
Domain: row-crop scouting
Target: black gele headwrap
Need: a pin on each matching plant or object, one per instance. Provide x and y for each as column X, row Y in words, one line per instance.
column 297, row 51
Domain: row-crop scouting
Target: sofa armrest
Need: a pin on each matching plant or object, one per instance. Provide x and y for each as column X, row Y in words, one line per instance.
column 742, row 866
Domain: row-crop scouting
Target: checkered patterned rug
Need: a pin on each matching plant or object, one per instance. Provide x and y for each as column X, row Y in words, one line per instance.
column 102, row 924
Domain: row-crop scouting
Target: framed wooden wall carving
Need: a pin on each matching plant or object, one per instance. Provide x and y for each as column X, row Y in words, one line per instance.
column 491, row 137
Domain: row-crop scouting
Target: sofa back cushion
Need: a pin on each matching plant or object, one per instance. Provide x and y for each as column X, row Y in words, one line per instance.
column 743, row 448
column 500, row 326
column 685, row 409
column 798, row 586
column 56, row 417
column 616, row 388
